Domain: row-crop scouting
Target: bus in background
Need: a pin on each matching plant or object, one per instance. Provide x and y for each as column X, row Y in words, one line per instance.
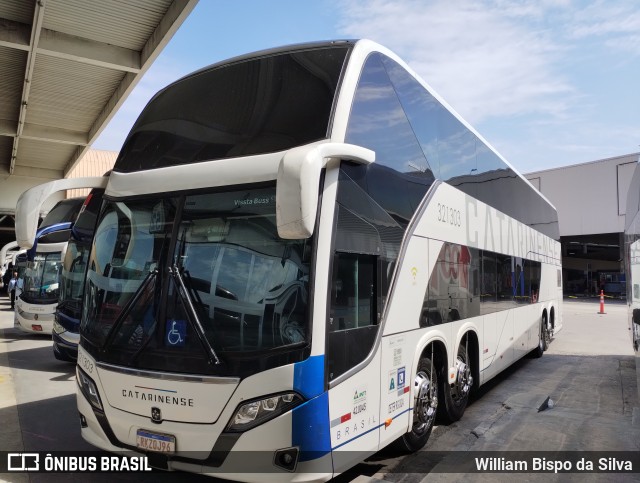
column 7, row 255
column 47, row 247
column 632, row 264
column 12, row 259
column 67, row 318
column 307, row 254
column 19, row 266
column 36, row 305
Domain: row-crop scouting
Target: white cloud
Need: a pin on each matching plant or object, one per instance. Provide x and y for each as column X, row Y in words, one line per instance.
column 480, row 57
column 616, row 25
column 602, row 18
column 548, row 82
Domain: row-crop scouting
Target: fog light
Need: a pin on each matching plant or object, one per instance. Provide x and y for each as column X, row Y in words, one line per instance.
column 83, row 421
column 287, row 458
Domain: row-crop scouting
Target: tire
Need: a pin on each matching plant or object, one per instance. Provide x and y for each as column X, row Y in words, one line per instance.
column 425, row 403
column 546, row 332
column 539, row 350
column 456, row 396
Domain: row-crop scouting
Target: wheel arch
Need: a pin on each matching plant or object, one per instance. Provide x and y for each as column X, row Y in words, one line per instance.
column 424, row 349
column 545, row 315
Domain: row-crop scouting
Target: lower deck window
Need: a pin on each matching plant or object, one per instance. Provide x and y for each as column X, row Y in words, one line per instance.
column 467, row 282
column 353, row 324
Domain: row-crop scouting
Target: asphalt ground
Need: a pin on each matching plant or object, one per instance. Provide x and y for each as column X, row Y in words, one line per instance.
column 588, row 372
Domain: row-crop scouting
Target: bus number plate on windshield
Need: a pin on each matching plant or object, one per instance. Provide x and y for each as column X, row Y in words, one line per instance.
column 160, row 443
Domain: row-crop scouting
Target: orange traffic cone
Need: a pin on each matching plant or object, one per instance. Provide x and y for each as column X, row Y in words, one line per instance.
column 602, row 302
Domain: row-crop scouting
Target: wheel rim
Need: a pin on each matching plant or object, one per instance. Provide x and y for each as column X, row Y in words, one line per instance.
column 541, row 335
column 546, row 333
column 464, row 379
column 425, row 402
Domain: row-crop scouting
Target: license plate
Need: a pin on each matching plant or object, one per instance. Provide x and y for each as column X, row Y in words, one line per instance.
column 37, row 328
column 160, row 443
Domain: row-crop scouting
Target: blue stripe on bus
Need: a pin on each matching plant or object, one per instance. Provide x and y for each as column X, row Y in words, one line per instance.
column 310, row 428
column 308, row 377
column 310, row 423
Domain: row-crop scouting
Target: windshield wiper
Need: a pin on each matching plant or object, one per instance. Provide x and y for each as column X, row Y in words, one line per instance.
column 128, row 307
column 184, row 295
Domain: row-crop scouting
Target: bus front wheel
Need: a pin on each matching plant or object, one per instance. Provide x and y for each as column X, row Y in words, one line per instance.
column 425, row 403
column 456, row 395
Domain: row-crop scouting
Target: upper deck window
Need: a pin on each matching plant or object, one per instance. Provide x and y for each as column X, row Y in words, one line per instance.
column 259, row 105
column 416, row 135
column 64, row 211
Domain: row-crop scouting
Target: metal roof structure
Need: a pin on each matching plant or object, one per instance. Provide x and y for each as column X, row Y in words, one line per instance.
column 67, row 66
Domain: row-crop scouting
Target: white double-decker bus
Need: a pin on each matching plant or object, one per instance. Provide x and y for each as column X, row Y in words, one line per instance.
column 35, row 307
column 304, row 255
column 42, row 265
column 632, row 264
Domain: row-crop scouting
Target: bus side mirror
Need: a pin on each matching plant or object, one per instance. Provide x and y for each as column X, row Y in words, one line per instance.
column 298, row 184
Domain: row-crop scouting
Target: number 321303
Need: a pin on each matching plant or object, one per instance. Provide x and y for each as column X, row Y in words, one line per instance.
column 449, row 215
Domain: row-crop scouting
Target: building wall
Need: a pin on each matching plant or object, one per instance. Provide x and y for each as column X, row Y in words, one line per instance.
column 94, row 163
column 591, row 202
column 590, row 197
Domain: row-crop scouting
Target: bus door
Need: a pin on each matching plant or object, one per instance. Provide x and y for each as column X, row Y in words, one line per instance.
column 354, row 399
column 409, row 309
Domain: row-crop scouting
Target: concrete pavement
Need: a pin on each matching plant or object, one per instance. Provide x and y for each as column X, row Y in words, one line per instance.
column 589, row 372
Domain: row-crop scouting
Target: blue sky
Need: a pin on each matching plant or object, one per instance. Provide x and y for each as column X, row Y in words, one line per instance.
column 548, row 83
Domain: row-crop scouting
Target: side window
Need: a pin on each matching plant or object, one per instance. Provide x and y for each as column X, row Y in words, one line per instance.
column 378, row 122
column 467, row 282
column 489, row 283
column 532, row 272
column 520, row 289
column 453, row 292
column 559, row 278
column 353, row 292
column 505, row 282
column 456, row 147
column 421, row 109
column 436, row 304
column 354, row 311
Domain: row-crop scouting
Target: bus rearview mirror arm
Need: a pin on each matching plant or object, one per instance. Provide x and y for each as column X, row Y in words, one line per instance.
column 298, row 184
column 30, row 202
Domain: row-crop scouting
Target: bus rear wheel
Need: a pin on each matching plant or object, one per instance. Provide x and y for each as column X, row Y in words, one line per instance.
column 542, row 339
column 456, row 395
column 425, row 404
column 546, row 332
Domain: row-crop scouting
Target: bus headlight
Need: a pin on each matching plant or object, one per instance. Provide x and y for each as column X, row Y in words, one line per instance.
column 253, row 413
column 57, row 328
column 88, row 388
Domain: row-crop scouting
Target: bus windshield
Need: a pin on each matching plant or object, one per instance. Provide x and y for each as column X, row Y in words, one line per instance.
column 260, row 105
column 75, row 260
column 63, row 211
column 187, row 275
column 72, row 277
column 41, row 278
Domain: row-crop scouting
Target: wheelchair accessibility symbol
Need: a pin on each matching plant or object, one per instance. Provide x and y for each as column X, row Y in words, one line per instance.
column 176, row 332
